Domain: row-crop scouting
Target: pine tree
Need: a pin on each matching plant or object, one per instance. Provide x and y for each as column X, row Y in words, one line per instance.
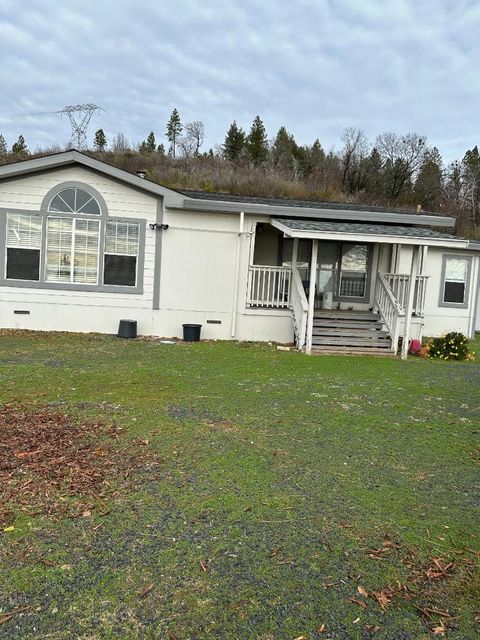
column 174, row 129
column 284, row 150
column 471, row 185
column 149, row 145
column 100, row 140
column 234, row 144
column 375, row 185
column 161, row 149
column 257, row 143
column 310, row 159
column 20, row 146
column 429, row 182
column 3, row 146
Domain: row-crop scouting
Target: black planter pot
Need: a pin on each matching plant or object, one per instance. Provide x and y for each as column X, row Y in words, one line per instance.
column 191, row 332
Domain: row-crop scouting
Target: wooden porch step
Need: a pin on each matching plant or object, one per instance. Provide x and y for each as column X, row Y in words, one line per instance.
column 352, row 351
column 351, row 342
column 351, row 333
column 336, row 324
column 363, row 316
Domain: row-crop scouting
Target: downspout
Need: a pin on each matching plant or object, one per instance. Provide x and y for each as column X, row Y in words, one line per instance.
column 236, row 276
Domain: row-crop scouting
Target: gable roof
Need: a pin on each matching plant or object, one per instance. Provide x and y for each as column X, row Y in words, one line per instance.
column 67, row 158
column 229, row 203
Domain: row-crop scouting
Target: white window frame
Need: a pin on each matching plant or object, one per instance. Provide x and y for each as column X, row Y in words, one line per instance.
column 110, row 253
column 72, row 251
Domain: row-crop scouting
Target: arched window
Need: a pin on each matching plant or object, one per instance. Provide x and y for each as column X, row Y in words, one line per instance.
column 74, row 200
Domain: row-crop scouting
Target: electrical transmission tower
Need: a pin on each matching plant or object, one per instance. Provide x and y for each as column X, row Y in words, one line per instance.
column 80, row 116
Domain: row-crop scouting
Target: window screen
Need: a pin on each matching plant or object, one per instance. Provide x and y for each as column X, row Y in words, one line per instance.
column 121, row 251
column 85, row 264
column 24, row 241
column 456, row 272
column 72, row 250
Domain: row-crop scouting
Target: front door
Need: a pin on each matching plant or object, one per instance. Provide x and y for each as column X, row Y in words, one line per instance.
column 343, row 272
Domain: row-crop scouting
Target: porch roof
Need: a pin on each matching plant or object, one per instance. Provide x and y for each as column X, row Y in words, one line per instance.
column 389, row 234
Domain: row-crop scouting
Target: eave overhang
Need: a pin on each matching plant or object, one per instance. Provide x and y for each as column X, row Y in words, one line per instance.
column 220, row 206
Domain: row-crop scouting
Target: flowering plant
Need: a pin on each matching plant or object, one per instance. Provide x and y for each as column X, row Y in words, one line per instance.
column 452, row 346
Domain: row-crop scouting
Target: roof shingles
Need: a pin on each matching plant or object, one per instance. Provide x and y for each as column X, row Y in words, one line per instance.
column 290, row 202
column 363, row 229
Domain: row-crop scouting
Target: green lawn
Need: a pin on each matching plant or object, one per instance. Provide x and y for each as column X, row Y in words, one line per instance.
column 280, row 474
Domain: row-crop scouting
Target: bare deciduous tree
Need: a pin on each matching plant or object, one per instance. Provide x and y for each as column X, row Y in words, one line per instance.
column 120, row 143
column 354, row 154
column 402, row 157
column 191, row 142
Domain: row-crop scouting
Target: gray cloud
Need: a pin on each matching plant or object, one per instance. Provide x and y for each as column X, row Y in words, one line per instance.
column 316, row 67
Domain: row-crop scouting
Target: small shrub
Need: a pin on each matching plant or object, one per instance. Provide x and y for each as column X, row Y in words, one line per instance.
column 452, row 346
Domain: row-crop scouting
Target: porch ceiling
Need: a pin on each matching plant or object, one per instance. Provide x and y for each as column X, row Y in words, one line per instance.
column 389, row 234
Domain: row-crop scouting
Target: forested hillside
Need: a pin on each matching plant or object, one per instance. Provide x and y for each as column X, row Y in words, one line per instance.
column 394, row 170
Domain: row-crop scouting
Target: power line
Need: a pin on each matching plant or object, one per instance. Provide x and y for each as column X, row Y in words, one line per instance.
column 79, row 116
column 27, row 115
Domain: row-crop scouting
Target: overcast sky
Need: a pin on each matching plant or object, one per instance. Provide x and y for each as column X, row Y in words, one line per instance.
column 314, row 66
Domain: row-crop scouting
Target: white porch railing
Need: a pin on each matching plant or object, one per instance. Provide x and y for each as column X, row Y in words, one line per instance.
column 390, row 309
column 269, row 286
column 398, row 283
column 299, row 308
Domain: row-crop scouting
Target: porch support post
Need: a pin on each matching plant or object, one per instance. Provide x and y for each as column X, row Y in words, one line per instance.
column 396, row 254
column 424, row 250
column 311, row 294
column 411, row 292
column 393, row 259
column 294, row 252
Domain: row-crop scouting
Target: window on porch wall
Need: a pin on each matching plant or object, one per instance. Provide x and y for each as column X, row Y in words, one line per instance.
column 353, row 270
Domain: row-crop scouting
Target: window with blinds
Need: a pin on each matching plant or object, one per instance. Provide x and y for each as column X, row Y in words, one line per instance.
column 72, row 250
column 24, row 242
column 455, row 280
column 72, row 242
column 121, row 252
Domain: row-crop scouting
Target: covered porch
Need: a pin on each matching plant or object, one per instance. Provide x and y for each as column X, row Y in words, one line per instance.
column 350, row 287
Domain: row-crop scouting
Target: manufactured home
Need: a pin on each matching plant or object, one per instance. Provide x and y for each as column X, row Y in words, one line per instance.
column 84, row 244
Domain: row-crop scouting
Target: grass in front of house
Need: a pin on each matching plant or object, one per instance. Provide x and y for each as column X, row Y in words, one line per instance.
column 287, row 482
